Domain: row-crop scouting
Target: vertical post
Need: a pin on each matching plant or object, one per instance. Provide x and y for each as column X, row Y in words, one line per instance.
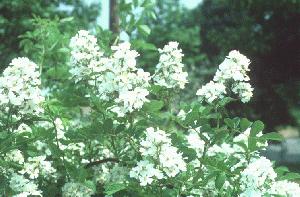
column 113, row 17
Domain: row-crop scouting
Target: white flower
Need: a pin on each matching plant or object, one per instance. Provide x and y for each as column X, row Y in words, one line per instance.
column 171, row 161
column 133, row 99
column 212, row 91
column 195, row 142
column 285, row 188
column 243, row 90
column 23, row 128
column 157, row 147
column 73, row 189
column 19, row 87
column 59, row 128
column 114, row 78
column 231, row 74
column 85, row 55
column 36, row 166
column 233, row 67
column 123, row 53
column 15, row 156
column 239, row 59
column 23, row 186
column 169, row 71
column 257, row 175
column 145, row 172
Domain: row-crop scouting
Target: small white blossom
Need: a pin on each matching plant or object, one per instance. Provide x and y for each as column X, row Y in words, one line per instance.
column 85, row 55
column 169, row 71
column 36, row 166
column 114, row 78
column 23, row 128
column 73, row 189
column 231, row 75
column 19, row 87
column 157, row 147
column 195, row 142
column 257, row 175
column 145, row 172
column 15, row 156
column 212, row 91
column 285, row 188
column 59, row 127
column 243, row 90
column 233, row 67
column 23, row 186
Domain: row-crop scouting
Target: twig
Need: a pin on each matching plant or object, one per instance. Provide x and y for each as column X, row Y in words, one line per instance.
column 94, row 163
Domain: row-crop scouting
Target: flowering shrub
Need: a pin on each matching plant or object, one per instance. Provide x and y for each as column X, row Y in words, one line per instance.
column 129, row 137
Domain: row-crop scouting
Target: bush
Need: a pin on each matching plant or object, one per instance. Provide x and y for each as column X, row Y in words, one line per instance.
column 106, row 127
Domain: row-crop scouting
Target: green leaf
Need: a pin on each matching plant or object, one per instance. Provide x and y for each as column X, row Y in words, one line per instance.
column 290, row 176
column 272, row 136
column 280, row 171
column 220, row 180
column 252, row 141
column 112, row 188
column 153, row 105
column 144, row 29
column 244, row 124
column 108, row 125
column 141, row 44
column 229, row 122
column 256, row 127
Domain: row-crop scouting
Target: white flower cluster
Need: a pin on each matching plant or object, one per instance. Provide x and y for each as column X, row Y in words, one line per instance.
column 60, row 129
column 85, row 55
column 19, row 87
column 226, row 151
column 15, row 156
column 258, row 179
column 115, row 77
column 161, row 159
column 195, row 142
column 169, row 71
column 22, row 128
column 232, row 74
column 33, row 168
column 73, row 189
column 284, row 188
column 212, row 91
column 36, row 166
column 24, row 187
column 258, row 174
column 131, row 83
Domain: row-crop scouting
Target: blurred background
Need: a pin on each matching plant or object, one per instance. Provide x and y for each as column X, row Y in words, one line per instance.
column 267, row 32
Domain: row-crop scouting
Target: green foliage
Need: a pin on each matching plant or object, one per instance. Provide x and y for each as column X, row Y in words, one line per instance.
column 16, row 18
column 96, row 141
column 265, row 31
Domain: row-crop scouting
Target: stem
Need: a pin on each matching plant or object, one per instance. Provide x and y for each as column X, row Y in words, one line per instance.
column 218, row 118
column 115, row 160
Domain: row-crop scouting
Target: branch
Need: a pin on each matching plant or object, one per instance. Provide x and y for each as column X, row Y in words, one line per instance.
column 94, row 163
